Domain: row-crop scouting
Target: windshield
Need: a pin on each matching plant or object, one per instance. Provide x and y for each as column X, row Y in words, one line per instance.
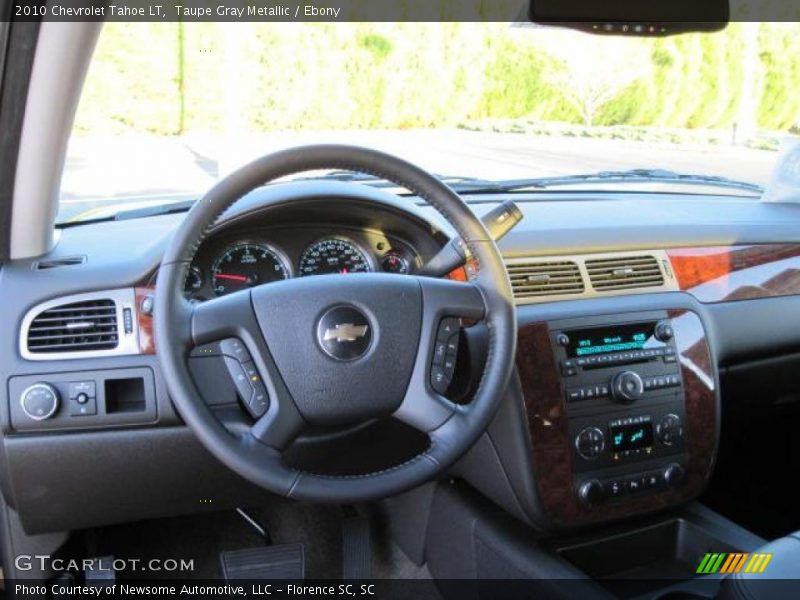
column 168, row 109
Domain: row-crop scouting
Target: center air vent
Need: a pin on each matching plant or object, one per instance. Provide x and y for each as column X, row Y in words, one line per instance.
column 532, row 279
column 624, row 272
column 80, row 326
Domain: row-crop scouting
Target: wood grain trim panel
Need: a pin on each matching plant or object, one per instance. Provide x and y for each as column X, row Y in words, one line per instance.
column 726, row 273
column 548, row 425
column 147, row 344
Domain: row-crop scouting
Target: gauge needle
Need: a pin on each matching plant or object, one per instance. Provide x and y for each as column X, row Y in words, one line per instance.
column 241, row 278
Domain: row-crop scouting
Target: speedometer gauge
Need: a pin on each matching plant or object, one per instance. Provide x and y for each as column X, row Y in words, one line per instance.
column 333, row 255
column 245, row 265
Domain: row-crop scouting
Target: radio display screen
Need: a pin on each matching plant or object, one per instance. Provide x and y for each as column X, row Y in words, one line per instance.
column 631, row 437
column 602, row 340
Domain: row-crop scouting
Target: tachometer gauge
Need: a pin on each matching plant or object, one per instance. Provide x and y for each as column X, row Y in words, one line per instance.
column 333, row 255
column 246, row 265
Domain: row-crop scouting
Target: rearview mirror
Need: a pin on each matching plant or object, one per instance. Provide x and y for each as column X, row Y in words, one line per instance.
column 632, row 17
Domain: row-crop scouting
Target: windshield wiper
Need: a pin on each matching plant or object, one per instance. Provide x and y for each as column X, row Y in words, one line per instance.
column 633, row 175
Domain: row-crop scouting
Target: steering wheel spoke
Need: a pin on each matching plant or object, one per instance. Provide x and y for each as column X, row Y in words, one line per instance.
column 231, row 321
column 280, row 426
column 445, row 304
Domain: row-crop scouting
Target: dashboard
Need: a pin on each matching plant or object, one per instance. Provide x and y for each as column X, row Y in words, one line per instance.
column 605, row 270
column 264, row 253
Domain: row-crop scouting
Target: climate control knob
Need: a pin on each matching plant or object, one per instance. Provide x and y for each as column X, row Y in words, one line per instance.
column 674, row 474
column 627, row 387
column 669, row 430
column 39, row 401
column 591, row 492
column 590, row 443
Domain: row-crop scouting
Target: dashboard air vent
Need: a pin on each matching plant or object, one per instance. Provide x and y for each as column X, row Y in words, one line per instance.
column 532, row 279
column 88, row 325
column 55, row 263
column 624, row 272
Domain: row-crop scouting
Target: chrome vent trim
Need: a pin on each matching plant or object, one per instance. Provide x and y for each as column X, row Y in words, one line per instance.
column 599, row 275
column 81, row 326
column 625, row 272
column 553, row 278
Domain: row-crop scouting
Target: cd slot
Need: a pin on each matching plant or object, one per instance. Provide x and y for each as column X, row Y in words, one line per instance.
column 603, row 361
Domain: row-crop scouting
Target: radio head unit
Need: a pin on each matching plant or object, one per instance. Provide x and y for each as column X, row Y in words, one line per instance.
column 624, row 400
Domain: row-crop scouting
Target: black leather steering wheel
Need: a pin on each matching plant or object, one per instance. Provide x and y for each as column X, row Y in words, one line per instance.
column 298, row 333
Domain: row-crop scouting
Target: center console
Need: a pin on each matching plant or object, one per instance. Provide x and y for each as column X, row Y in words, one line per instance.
column 621, row 412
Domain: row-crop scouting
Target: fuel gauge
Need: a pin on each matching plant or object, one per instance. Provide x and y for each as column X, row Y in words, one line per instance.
column 194, row 281
column 394, row 262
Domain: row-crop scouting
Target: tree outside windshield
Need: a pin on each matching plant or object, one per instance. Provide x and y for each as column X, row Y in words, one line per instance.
column 168, row 109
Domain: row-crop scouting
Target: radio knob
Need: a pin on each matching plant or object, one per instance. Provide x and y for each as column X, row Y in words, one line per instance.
column 627, row 387
column 39, row 401
column 664, row 332
column 674, row 474
column 591, row 492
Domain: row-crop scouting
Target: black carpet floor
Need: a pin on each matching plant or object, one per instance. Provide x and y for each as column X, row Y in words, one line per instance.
column 202, row 538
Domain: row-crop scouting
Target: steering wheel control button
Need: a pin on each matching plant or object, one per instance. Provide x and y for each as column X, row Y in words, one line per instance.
column 259, row 402
column 249, row 386
column 445, row 351
column 590, row 443
column 439, row 380
column 39, row 401
column 447, row 327
column 235, row 349
column 344, row 333
column 439, row 352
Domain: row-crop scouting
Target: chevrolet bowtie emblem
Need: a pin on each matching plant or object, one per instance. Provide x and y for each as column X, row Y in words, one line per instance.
column 345, row 332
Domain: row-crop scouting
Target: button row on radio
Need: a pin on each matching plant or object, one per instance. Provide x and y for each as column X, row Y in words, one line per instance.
column 661, row 381
column 588, row 392
column 622, row 357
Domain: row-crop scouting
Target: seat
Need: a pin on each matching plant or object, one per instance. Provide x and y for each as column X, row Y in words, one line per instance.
column 780, row 578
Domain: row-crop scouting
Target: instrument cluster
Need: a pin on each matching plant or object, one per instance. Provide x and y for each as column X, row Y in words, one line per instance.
column 232, row 263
